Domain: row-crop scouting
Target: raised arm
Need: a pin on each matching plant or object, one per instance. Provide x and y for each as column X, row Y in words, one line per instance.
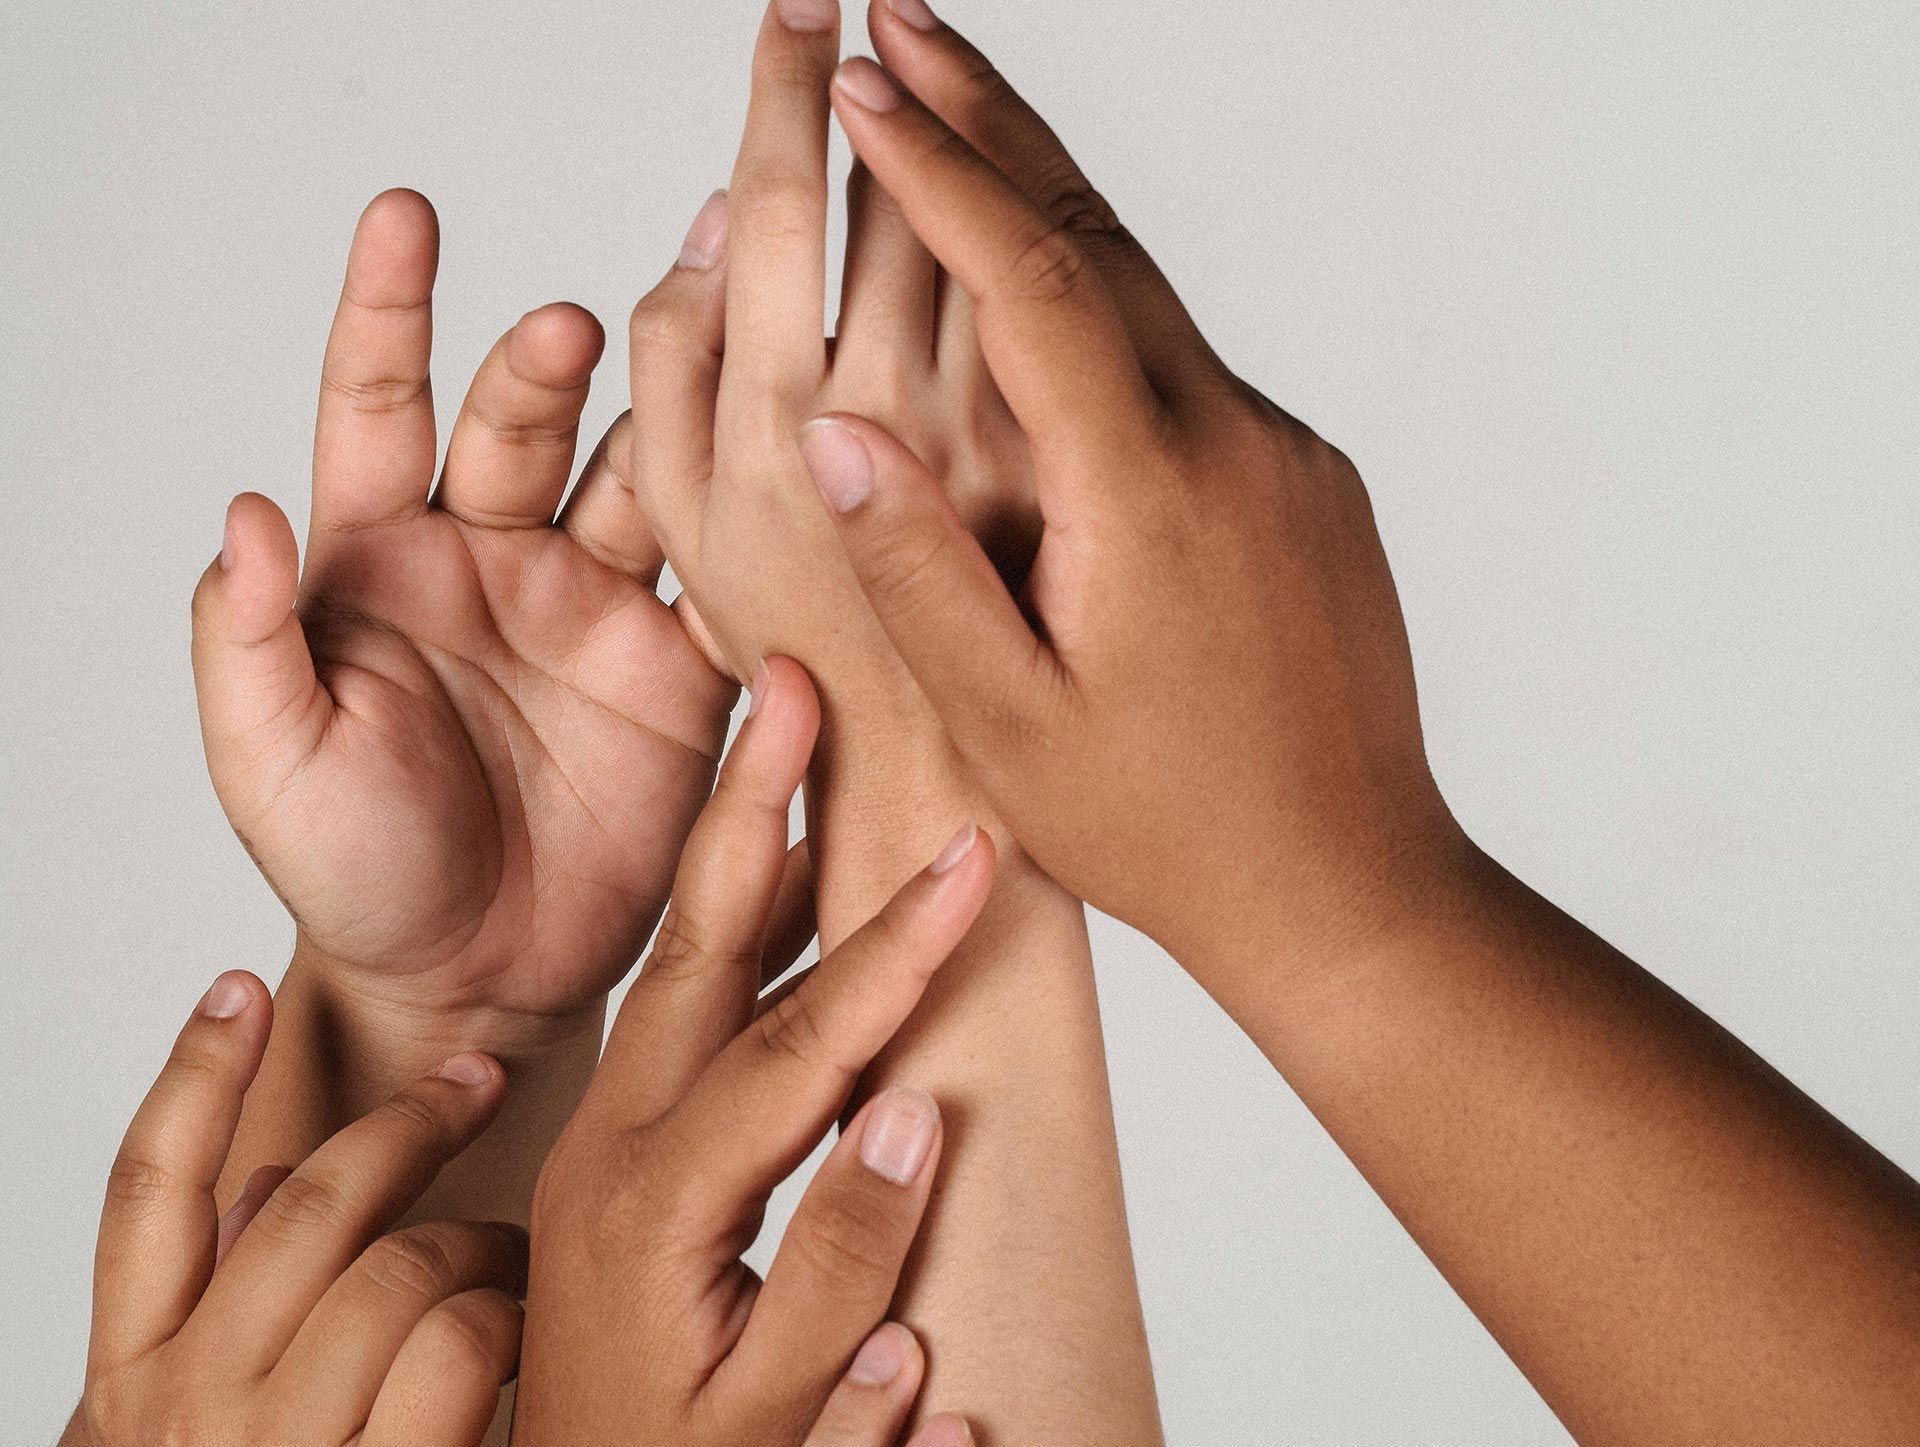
column 1022, row 1279
column 1200, row 715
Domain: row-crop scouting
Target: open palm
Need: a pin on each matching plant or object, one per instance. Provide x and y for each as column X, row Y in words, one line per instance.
column 468, row 757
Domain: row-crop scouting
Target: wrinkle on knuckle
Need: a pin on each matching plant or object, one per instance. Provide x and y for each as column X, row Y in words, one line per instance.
column 1047, row 268
column 655, row 327
column 793, row 1029
column 304, row 1203
column 467, row 1343
column 847, row 1243
column 413, row 1265
column 906, row 570
column 374, row 396
column 137, row 1184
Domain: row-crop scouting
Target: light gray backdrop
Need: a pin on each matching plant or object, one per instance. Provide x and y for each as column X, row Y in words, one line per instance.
column 1613, row 303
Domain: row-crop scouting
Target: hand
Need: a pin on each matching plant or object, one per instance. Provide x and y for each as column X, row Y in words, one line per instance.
column 1214, row 701
column 468, row 760
column 728, row 362
column 698, row 1111
column 294, row 1319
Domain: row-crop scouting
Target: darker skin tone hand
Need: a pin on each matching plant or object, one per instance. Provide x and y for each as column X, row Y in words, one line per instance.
column 1199, row 714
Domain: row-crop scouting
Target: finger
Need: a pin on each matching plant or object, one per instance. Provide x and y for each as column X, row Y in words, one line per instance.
column 888, row 291
column 253, row 1195
column 333, row 1370
column 949, row 615
column 1058, row 346
column 262, row 709
column 675, row 340
column 511, row 451
column 960, row 85
column 869, row 1407
column 373, row 446
column 348, row 1192
column 777, row 246
column 159, row 1228
column 773, row 1092
column 792, row 926
column 444, row 1387
column 838, row 1266
column 605, row 517
column 696, row 989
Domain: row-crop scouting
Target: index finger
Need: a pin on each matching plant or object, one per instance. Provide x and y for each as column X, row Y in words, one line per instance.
column 1054, row 340
column 771, row 1094
column 159, row 1227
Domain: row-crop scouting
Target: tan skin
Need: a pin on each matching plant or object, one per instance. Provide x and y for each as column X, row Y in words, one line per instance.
column 1205, row 723
column 728, row 361
column 301, row 1316
column 465, row 741
column 705, row 1101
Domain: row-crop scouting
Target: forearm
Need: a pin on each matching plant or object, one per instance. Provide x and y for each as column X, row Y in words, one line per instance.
column 1022, row 1281
column 336, row 1053
column 1672, row 1241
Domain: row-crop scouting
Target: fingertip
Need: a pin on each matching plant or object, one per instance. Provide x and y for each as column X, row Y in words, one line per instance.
column 891, row 1358
column 783, row 694
column 234, row 994
column 258, row 567
column 396, row 250
column 557, row 345
column 867, row 85
column 946, row 1430
column 473, row 1069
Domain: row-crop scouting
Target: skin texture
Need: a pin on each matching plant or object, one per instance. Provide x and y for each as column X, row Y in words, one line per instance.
column 1199, row 714
column 465, row 741
column 728, row 361
column 293, row 1317
column 704, row 1102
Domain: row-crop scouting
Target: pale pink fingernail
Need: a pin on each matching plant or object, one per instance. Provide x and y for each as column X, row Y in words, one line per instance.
column 467, row 1068
column 808, row 16
column 916, row 13
column 880, row 1358
column 226, row 997
column 867, row 85
column 943, row 1432
column 707, row 237
column 956, row 849
column 899, row 1133
column 757, row 690
column 842, row 467
column 226, row 543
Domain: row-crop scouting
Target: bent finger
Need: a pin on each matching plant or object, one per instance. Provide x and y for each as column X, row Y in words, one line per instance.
column 444, row 1388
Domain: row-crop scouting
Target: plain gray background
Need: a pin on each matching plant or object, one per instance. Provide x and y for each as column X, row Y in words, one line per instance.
column 1614, row 304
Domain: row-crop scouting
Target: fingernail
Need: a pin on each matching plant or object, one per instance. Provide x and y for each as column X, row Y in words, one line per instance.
column 957, row 849
column 226, row 542
column 226, row 997
column 808, row 16
column 943, row 1432
column 880, row 1357
column 707, row 237
column 899, row 1133
column 842, row 467
column 916, row 13
column 467, row 1068
column 757, row 690
column 867, row 85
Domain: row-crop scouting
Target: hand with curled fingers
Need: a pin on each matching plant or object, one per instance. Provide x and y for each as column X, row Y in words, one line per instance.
column 294, row 1318
column 643, row 1323
column 465, row 741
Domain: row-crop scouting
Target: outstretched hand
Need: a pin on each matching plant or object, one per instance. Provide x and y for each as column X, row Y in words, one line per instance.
column 466, row 742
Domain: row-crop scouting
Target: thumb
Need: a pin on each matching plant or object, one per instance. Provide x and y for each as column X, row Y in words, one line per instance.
column 262, row 710
column 935, row 591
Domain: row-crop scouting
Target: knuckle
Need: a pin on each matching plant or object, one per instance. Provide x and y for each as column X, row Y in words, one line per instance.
column 793, row 1028
column 1075, row 207
column 414, row 1265
column 467, row 1339
column 374, row 396
column 137, row 1184
column 905, row 568
column 414, row 1116
column 656, row 325
column 848, row 1241
column 778, row 204
column 305, row 1203
column 1048, row 267
column 981, row 83
column 522, row 432
column 680, row 949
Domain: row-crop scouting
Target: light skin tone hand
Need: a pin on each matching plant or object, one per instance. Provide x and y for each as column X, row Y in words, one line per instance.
column 465, row 741
column 1200, row 715
column 293, row 1318
column 704, row 1102
column 728, row 358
